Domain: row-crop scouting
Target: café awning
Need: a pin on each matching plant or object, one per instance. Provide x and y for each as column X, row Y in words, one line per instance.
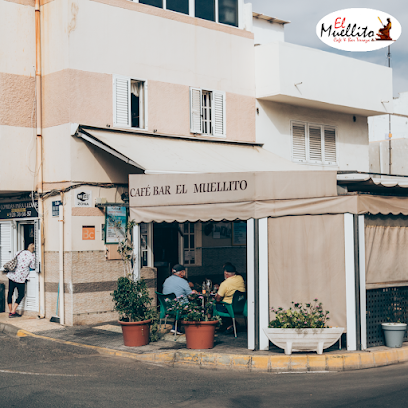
column 168, row 154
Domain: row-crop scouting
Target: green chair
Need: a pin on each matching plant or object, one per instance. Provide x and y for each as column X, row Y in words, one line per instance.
column 237, row 307
column 163, row 309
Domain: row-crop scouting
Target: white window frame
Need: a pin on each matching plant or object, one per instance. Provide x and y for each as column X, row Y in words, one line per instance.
column 146, row 113
column 322, row 127
column 197, row 244
column 191, row 11
column 224, row 108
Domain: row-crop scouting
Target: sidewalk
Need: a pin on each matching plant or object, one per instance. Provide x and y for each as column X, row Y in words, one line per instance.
column 228, row 352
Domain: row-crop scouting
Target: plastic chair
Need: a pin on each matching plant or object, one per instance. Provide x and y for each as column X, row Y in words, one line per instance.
column 237, row 307
column 163, row 309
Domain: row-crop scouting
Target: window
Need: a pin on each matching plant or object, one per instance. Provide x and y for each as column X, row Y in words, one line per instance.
column 181, row 6
column 190, row 243
column 207, row 112
column 220, row 11
column 129, row 103
column 313, row 143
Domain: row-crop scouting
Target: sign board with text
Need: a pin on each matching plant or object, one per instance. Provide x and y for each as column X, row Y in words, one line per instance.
column 23, row 209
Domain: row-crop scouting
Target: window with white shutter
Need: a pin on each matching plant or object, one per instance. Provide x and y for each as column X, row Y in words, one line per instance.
column 330, row 156
column 299, row 142
column 207, row 112
column 312, row 143
column 129, row 103
column 218, row 113
column 6, row 242
column 315, row 144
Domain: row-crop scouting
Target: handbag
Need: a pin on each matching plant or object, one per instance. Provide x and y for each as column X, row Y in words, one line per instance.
column 10, row 266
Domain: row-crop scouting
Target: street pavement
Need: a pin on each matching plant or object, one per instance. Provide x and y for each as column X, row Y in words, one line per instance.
column 40, row 373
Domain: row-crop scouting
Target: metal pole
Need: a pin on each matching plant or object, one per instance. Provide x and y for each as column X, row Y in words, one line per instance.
column 256, row 281
column 357, row 280
column 389, row 122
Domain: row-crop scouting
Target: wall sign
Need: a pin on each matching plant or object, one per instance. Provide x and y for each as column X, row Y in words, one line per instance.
column 358, row 29
column 83, row 198
column 115, row 224
column 88, row 233
column 23, row 209
column 239, row 233
column 55, row 208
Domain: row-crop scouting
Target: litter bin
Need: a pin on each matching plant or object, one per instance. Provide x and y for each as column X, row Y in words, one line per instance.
column 2, row 297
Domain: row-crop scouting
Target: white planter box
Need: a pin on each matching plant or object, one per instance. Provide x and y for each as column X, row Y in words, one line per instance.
column 304, row 339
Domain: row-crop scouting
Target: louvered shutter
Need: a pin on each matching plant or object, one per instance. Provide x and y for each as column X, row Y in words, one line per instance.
column 121, row 102
column 330, row 156
column 195, row 110
column 5, row 243
column 299, row 142
column 37, row 245
column 315, row 144
column 218, row 113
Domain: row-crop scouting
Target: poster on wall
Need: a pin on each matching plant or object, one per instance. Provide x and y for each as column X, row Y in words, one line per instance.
column 222, row 230
column 115, row 224
column 239, row 233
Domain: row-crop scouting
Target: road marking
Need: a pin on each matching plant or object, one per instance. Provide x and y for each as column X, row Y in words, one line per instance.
column 306, row 372
column 50, row 375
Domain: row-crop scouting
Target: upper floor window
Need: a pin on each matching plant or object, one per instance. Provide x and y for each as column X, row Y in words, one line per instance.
column 313, row 143
column 207, row 112
column 129, row 102
column 220, row 11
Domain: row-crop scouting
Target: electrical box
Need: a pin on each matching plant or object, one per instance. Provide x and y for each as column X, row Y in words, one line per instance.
column 112, row 252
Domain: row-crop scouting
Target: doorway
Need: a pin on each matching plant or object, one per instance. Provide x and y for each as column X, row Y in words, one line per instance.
column 27, row 232
column 165, row 250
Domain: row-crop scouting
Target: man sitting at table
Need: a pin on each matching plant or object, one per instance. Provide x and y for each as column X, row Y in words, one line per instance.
column 177, row 284
column 228, row 287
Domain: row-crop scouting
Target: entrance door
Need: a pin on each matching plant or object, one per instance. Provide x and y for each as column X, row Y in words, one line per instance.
column 165, row 250
column 28, row 234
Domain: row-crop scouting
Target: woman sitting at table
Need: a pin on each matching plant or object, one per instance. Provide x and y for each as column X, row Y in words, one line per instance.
column 228, row 287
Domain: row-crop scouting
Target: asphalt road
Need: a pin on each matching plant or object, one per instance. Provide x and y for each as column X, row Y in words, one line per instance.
column 40, row 373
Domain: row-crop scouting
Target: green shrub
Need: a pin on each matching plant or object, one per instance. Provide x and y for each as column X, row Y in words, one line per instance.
column 132, row 302
column 300, row 316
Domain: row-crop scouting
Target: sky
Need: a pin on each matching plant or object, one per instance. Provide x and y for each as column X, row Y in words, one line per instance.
column 305, row 14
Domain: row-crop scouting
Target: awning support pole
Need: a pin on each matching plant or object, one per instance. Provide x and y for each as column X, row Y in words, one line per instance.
column 251, row 283
column 263, row 282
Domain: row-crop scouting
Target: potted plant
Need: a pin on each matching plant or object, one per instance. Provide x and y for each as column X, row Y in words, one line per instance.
column 195, row 313
column 302, row 328
column 394, row 333
column 132, row 302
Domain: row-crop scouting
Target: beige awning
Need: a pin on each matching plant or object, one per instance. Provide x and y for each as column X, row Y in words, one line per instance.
column 168, row 154
column 231, row 196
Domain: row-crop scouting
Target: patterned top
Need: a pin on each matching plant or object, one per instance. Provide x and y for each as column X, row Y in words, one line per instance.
column 25, row 261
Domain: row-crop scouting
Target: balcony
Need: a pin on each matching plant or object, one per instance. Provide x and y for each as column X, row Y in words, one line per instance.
column 308, row 77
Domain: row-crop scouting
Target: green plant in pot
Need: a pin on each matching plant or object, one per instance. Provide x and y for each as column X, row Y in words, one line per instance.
column 195, row 312
column 132, row 302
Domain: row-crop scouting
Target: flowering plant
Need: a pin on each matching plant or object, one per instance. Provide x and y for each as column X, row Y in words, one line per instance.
column 192, row 308
column 300, row 316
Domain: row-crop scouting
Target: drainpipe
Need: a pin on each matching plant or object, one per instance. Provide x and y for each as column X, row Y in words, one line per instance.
column 39, row 152
column 61, row 262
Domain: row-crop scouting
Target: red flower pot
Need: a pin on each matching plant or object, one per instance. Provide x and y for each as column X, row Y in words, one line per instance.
column 136, row 334
column 200, row 335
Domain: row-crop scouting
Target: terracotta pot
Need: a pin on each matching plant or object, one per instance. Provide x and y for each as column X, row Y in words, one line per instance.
column 200, row 335
column 136, row 334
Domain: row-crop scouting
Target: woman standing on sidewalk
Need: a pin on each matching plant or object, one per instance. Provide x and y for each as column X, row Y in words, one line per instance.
column 17, row 278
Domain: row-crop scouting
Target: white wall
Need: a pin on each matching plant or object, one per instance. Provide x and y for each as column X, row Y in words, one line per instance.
column 122, row 40
column 324, row 80
column 379, row 125
column 273, row 129
column 17, row 33
column 266, row 32
column 17, row 158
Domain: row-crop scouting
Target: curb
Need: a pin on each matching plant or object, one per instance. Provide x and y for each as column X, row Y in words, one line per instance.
column 9, row 329
column 274, row 364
